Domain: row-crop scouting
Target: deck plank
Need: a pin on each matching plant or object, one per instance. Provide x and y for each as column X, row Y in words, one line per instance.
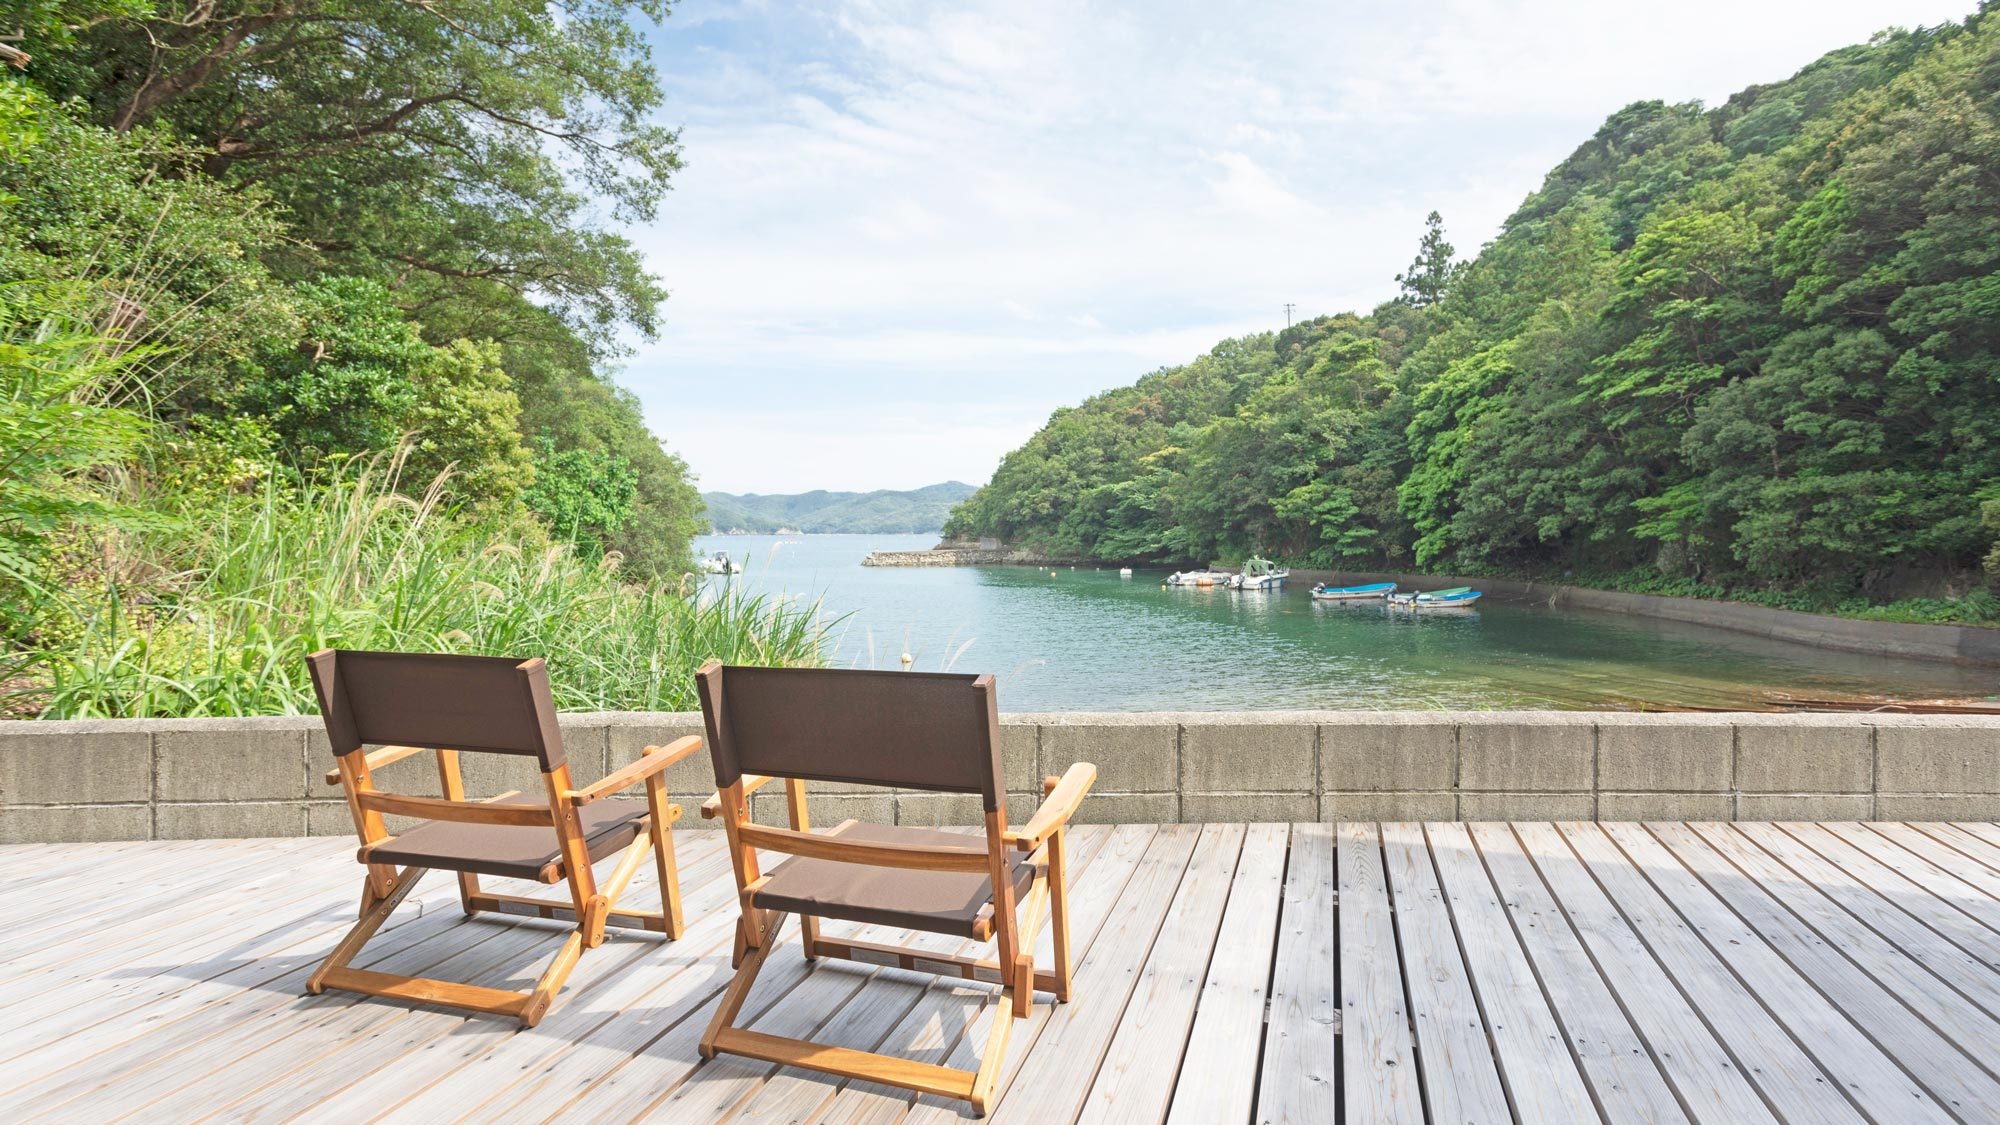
column 1378, row 1055
column 1905, row 1012
column 1925, row 933
column 1465, row 973
column 1630, row 1029
column 1218, row 1074
column 1460, row 1076
column 1299, row 1080
column 1712, row 955
column 1540, row 1073
column 1893, row 871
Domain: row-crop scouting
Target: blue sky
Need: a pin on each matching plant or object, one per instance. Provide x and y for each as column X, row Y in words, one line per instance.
column 907, row 232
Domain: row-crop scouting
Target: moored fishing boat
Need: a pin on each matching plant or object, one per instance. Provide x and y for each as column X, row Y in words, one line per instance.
column 1260, row 574
column 1206, row 578
column 721, row 563
column 1322, row 592
column 1457, row 597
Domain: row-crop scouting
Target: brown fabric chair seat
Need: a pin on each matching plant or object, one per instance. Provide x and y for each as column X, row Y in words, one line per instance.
column 940, row 902
column 511, row 851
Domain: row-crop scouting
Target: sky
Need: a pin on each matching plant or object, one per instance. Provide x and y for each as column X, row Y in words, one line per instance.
column 907, row 232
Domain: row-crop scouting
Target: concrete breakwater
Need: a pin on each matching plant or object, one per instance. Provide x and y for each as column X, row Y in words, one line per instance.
column 958, row 556
column 138, row 779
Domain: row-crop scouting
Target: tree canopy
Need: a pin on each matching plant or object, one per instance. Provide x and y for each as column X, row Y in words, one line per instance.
column 1751, row 346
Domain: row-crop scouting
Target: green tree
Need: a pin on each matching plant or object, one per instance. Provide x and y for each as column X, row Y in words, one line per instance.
column 1435, row 269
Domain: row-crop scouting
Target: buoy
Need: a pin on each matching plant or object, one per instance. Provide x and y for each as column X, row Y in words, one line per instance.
column 1052, row 574
column 907, row 661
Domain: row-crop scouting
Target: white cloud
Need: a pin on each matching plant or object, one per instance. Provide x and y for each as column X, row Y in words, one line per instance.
column 992, row 210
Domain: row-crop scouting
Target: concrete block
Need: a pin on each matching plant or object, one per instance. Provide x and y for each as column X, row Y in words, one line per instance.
column 1131, row 756
column 75, row 823
column 1537, row 752
column 1388, row 806
column 584, row 746
column 487, row 775
column 1129, row 808
column 1665, row 806
column 223, row 764
column 1936, row 806
column 1389, row 752
column 329, row 818
column 1665, row 753
column 1804, row 754
column 691, row 781
column 1805, row 806
column 1527, row 806
column 1020, row 756
column 49, row 768
column 1236, row 808
column 1937, row 759
column 1247, row 757
column 824, row 810
column 954, row 810
column 232, row 820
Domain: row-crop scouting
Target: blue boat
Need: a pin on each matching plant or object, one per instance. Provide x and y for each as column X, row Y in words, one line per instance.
column 1325, row 593
column 1460, row 598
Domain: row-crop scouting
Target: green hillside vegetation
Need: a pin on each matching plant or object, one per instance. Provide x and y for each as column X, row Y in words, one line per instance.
column 882, row 512
column 256, row 256
column 1747, row 350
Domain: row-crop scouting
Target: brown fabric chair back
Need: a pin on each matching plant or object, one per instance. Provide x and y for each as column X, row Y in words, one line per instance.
column 916, row 730
column 495, row 704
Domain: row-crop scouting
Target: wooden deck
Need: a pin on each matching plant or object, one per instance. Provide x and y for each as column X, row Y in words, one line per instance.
column 1320, row 973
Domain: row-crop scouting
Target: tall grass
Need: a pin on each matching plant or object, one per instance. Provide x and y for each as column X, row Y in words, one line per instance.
column 229, row 599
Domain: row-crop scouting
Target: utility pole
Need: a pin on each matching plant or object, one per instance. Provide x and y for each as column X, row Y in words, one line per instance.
column 1288, row 313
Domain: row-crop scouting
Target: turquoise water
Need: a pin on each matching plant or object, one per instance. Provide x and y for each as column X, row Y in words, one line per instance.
column 1088, row 640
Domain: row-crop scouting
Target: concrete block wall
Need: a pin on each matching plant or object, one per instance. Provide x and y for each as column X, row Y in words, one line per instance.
column 200, row 778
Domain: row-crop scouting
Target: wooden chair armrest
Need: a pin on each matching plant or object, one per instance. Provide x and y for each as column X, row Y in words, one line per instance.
column 910, row 857
column 712, row 808
column 377, row 758
column 1060, row 804
column 655, row 759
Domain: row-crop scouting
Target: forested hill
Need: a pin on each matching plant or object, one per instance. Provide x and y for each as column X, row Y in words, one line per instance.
column 881, row 512
column 1750, row 346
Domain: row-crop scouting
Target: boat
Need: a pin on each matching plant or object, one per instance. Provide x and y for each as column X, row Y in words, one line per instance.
column 1203, row 578
column 721, row 563
column 1457, row 597
column 1324, row 593
column 1260, row 574
column 1124, row 572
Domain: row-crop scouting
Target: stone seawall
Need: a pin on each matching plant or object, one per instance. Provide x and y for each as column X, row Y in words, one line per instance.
column 133, row 779
column 1954, row 644
column 957, row 556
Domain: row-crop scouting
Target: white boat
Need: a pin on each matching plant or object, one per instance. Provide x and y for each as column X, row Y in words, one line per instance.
column 721, row 563
column 1260, row 574
column 1124, row 572
column 1204, row 578
column 1378, row 590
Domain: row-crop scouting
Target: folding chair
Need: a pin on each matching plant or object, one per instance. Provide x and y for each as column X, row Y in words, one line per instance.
column 406, row 703
column 907, row 729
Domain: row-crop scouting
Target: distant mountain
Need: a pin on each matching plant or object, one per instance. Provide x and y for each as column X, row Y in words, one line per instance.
column 880, row 512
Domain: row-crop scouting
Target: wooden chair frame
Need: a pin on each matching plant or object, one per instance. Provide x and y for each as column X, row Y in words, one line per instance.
column 592, row 907
column 1013, row 969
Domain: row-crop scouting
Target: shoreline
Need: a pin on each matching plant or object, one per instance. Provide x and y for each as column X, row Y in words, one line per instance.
column 1949, row 644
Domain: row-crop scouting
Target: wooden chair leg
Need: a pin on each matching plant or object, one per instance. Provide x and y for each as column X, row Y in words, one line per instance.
column 663, row 816
column 371, row 920
column 995, row 1054
column 1059, row 914
column 809, row 936
column 739, row 989
column 552, row 979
